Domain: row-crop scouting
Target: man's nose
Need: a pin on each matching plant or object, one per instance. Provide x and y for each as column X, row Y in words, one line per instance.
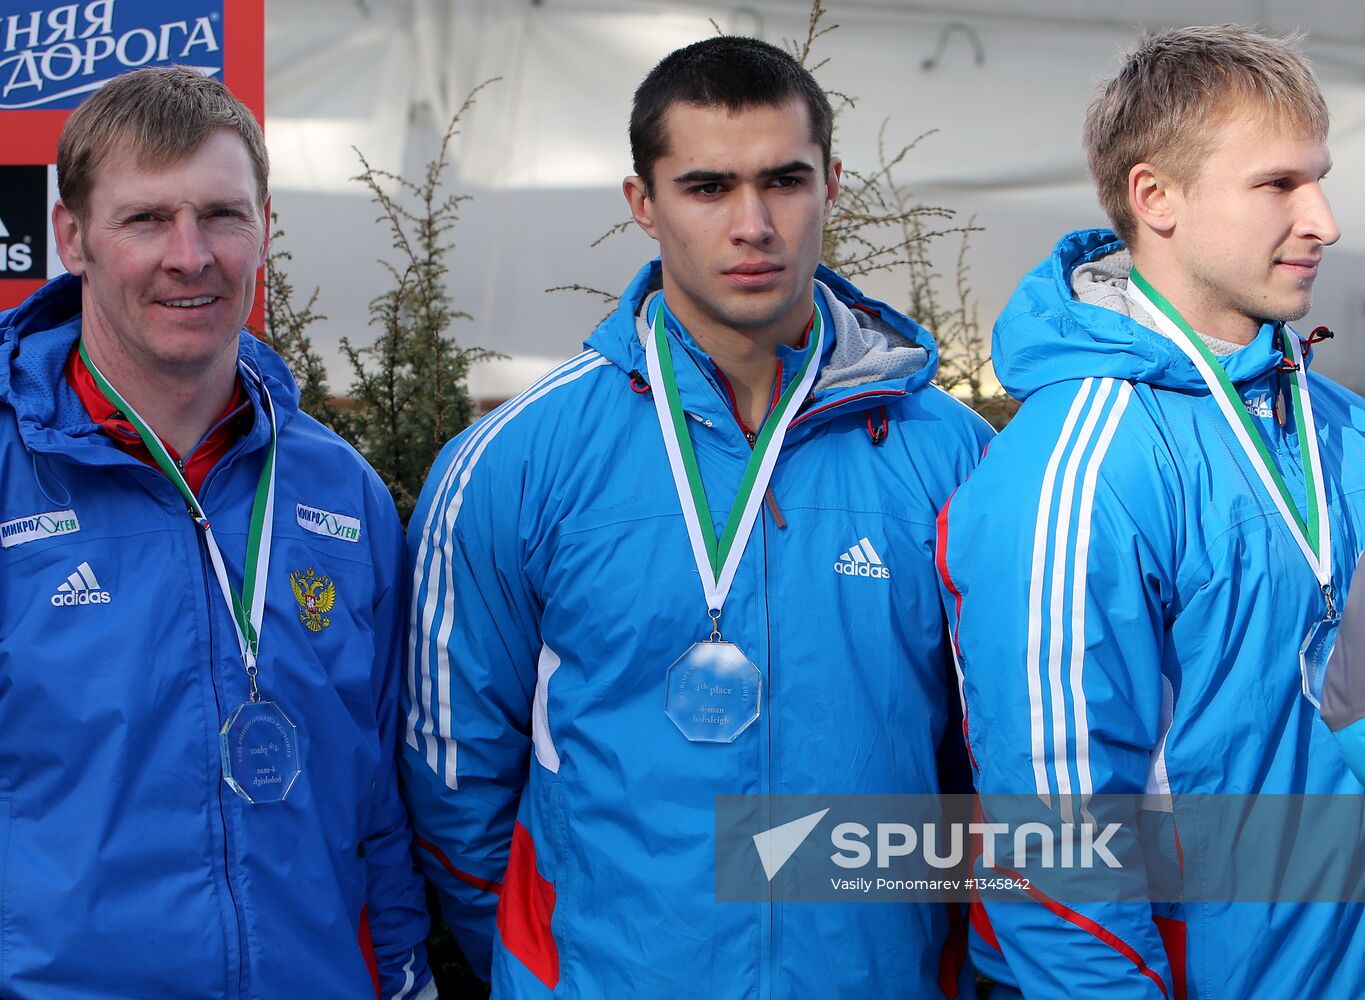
column 1316, row 221
column 187, row 249
column 752, row 221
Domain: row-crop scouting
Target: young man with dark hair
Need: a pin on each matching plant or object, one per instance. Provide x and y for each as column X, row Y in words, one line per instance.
column 572, row 564
column 198, row 680
column 1153, row 618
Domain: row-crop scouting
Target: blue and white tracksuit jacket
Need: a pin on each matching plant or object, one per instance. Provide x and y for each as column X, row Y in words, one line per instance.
column 554, row 585
column 1128, row 607
column 128, row 868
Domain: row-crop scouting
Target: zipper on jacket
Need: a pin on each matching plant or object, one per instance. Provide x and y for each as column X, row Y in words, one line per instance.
column 767, row 975
column 767, row 969
column 163, row 482
column 768, row 979
column 209, row 598
column 769, row 497
column 238, row 448
column 222, row 809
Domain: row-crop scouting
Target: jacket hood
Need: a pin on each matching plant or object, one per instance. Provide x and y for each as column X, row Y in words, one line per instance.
column 875, row 347
column 37, row 336
column 1046, row 335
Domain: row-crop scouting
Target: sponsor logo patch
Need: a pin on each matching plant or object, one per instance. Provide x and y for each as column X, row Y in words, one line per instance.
column 1259, row 405
column 328, row 524
column 317, row 595
column 862, row 560
column 79, row 589
column 38, row 526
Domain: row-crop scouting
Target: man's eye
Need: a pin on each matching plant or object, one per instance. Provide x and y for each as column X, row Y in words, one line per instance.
column 707, row 189
column 786, row 182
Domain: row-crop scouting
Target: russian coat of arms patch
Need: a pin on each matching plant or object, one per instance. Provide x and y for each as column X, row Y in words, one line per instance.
column 317, row 595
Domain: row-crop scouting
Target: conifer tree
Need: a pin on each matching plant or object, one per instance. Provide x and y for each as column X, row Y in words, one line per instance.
column 409, row 389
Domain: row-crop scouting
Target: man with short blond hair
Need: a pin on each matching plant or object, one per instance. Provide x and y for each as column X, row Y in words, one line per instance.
column 198, row 665
column 1149, row 614
column 1165, row 105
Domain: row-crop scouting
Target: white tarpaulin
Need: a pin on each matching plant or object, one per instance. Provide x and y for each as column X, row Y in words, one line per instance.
column 1005, row 83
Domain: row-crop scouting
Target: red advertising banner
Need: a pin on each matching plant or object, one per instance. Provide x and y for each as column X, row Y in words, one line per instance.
column 53, row 55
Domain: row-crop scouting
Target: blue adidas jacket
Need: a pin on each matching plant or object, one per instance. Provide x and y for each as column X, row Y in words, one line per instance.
column 1128, row 620
column 129, row 868
column 554, row 586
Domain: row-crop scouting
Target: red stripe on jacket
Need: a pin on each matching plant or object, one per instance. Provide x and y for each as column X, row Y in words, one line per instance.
column 487, row 885
column 525, row 909
column 1173, row 937
column 1090, row 927
column 941, row 562
column 367, row 950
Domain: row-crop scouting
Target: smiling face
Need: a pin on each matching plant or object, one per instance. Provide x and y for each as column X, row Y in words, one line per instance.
column 738, row 204
column 168, row 258
column 1248, row 232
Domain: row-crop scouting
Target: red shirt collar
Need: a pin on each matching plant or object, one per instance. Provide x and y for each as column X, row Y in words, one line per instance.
column 202, row 458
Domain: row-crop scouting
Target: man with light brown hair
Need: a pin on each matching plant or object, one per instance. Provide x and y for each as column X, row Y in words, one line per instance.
column 200, row 601
column 1152, row 621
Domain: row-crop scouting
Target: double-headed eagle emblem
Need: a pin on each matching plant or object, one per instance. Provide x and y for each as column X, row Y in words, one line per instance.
column 317, row 595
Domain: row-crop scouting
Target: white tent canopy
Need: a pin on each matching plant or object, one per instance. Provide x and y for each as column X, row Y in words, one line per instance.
column 1004, row 82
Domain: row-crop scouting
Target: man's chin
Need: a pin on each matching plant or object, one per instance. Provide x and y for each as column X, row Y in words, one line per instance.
column 757, row 312
column 1285, row 308
column 1292, row 313
column 194, row 363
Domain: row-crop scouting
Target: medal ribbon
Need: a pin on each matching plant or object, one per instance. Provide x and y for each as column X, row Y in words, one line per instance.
column 246, row 620
column 718, row 558
column 1314, row 538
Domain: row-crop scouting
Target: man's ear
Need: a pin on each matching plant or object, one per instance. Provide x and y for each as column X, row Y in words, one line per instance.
column 67, row 231
column 1152, row 198
column 836, row 170
column 265, row 241
column 641, row 205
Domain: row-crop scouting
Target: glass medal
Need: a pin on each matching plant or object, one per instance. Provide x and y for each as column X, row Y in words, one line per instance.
column 260, row 749
column 1313, row 656
column 713, row 692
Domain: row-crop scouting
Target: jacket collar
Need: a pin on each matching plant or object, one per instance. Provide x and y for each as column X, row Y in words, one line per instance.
column 875, row 350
